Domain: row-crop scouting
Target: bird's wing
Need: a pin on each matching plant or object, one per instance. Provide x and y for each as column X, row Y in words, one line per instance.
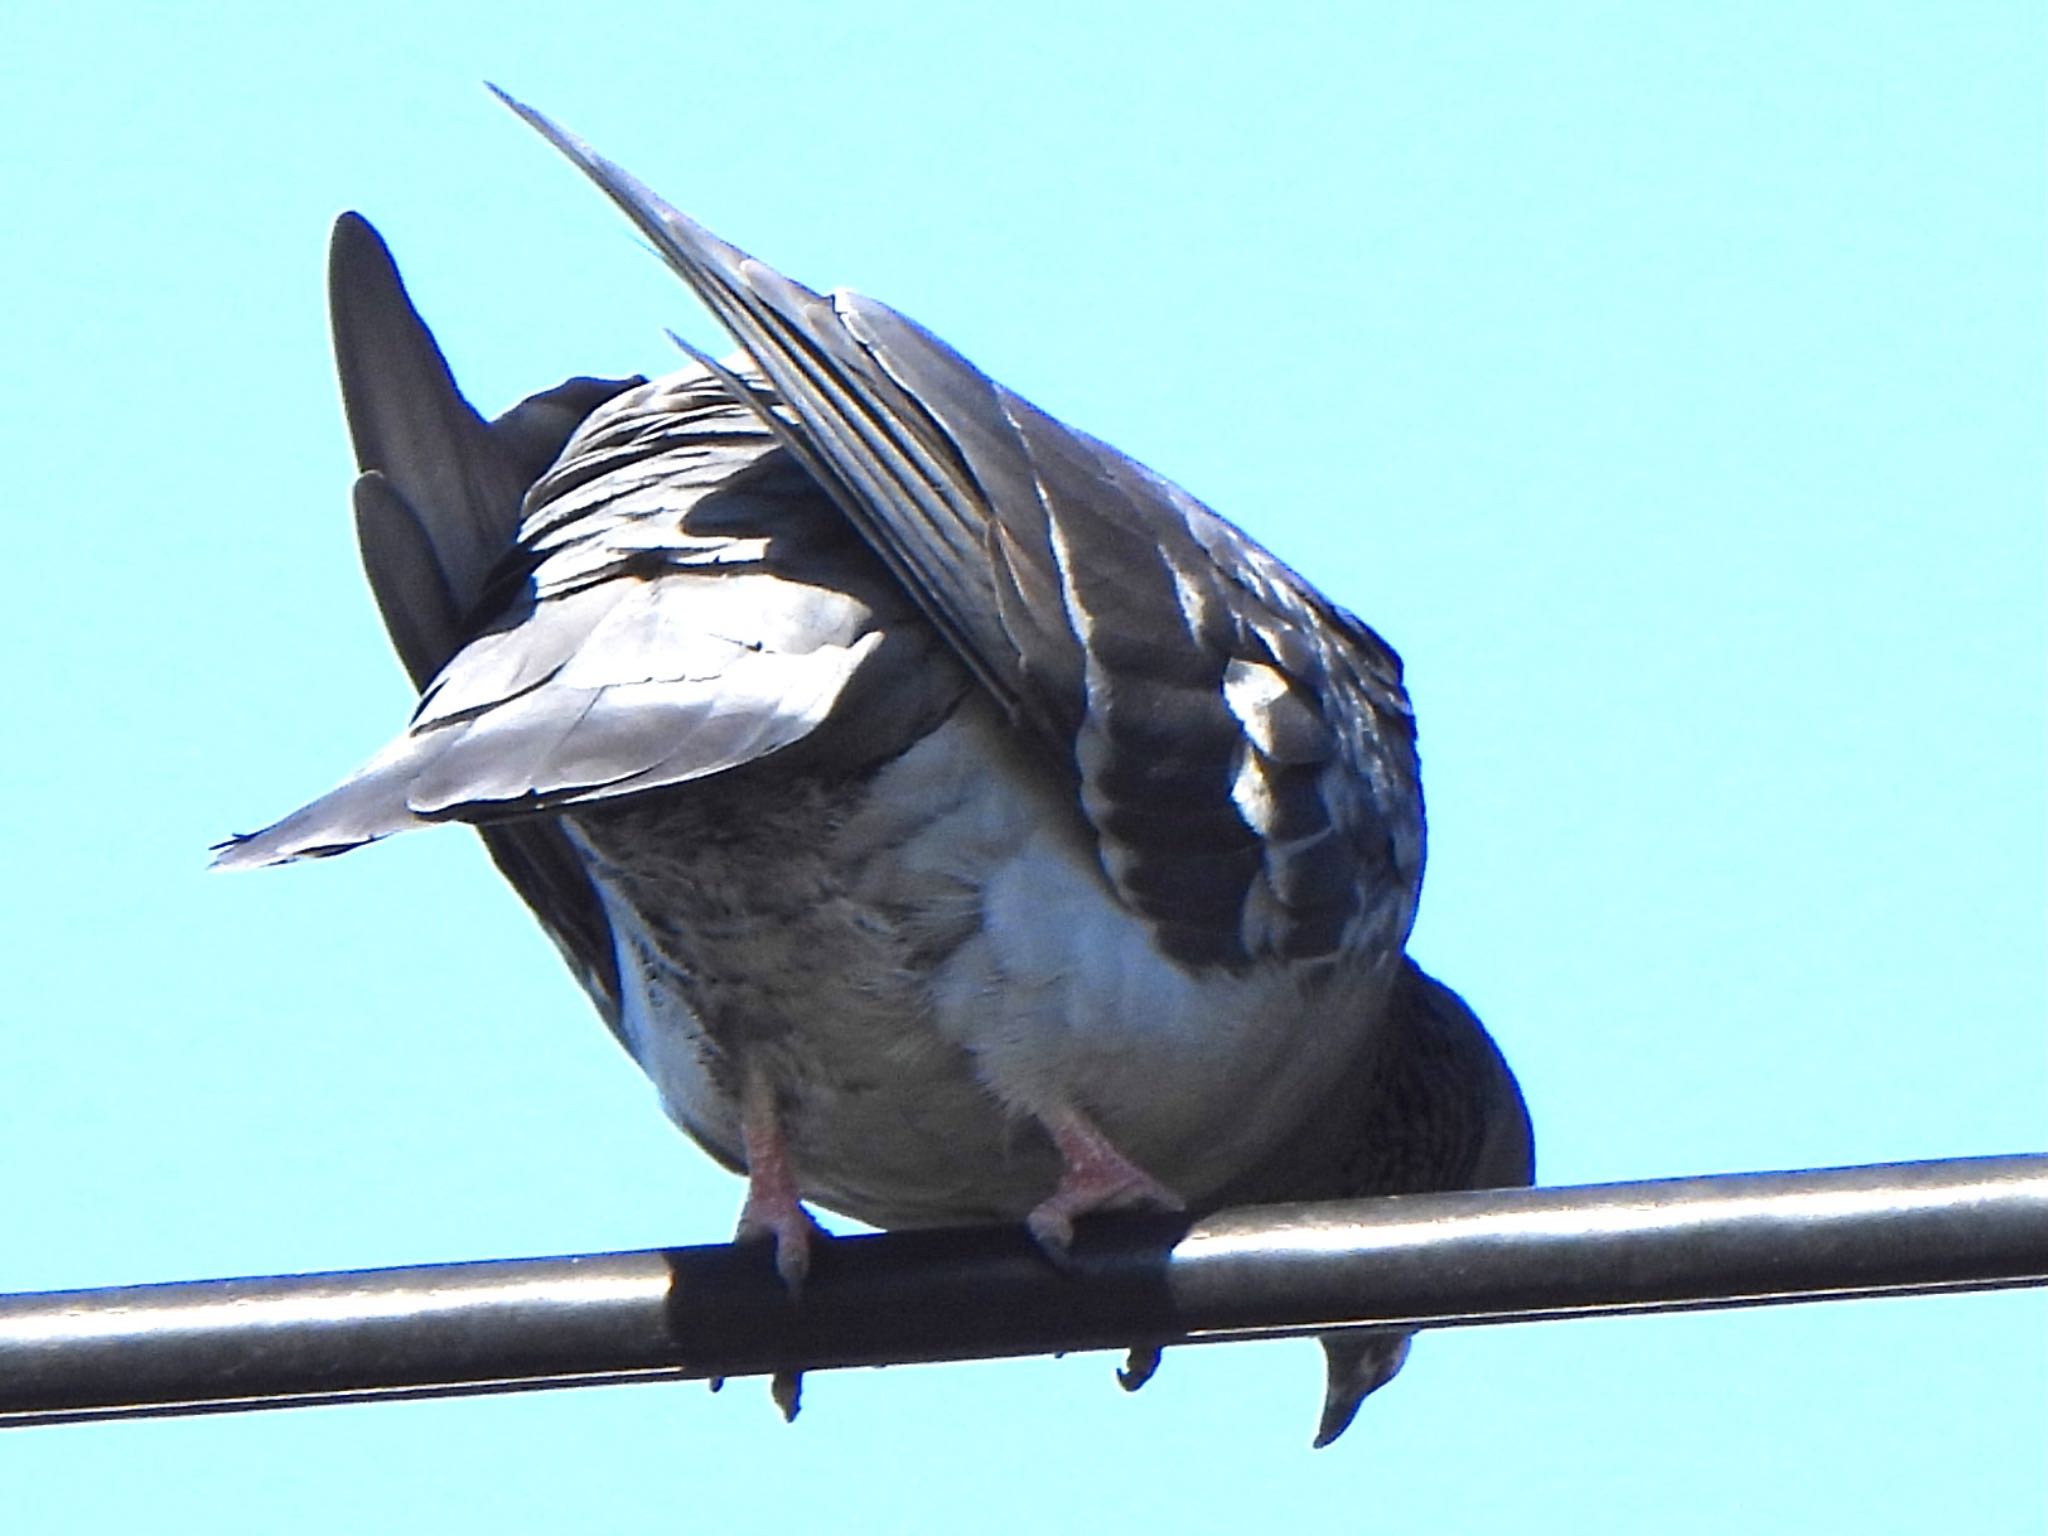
column 675, row 599
column 1241, row 749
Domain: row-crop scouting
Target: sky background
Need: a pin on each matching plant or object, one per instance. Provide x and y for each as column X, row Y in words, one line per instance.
column 1666, row 383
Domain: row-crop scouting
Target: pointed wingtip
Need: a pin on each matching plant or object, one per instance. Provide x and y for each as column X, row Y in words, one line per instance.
column 257, row 850
column 519, row 107
column 506, row 98
column 225, row 856
column 587, row 158
column 675, row 235
column 265, row 850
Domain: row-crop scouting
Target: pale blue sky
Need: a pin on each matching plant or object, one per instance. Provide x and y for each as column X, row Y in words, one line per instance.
column 1665, row 383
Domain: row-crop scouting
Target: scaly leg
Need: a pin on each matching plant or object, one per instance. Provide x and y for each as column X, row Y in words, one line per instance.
column 773, row 1209
column 1095, row 1177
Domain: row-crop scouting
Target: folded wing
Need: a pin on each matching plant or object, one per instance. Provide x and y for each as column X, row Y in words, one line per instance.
column 1241, row 749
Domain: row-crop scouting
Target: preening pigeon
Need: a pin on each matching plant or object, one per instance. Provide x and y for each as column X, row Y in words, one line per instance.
column 956, row 820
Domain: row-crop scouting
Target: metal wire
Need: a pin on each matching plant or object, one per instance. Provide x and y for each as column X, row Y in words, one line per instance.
column 1413, row 1262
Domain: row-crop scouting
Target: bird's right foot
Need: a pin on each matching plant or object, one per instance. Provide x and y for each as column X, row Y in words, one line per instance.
column 1095, row 1177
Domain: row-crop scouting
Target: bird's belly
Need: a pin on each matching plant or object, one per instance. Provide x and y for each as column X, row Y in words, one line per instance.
column 923, row 961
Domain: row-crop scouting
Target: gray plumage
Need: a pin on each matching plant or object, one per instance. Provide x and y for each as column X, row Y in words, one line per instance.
column 943, row 808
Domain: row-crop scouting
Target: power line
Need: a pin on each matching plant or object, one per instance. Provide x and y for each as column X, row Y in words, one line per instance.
column 1409, row 1262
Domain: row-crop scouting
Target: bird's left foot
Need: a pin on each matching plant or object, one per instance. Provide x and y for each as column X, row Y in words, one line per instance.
column 1095, row 1177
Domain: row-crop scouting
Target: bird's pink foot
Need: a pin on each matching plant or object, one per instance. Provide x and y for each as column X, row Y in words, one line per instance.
column 773, row 1208
column 1094, row 1177
column 774, row 1212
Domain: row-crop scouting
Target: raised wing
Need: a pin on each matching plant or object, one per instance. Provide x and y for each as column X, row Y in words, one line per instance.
column 1241, row 748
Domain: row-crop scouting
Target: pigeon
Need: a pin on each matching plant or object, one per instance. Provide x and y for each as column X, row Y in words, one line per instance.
column 957, row 821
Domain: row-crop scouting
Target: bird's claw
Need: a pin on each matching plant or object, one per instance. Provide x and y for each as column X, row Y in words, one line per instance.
column 787, row 1388
column 1094, row 1176
column 1138, row 1368
column 787, row 1225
